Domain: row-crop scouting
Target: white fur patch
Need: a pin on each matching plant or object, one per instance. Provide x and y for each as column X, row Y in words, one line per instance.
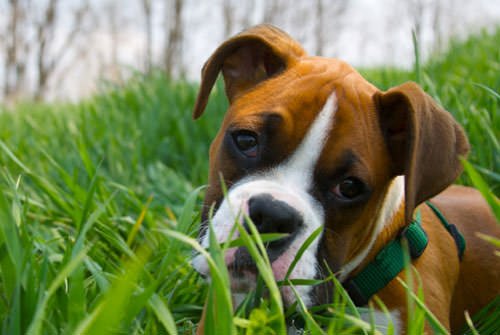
column 289, row 182
column 299, row 168
column 382, row 320
column 392, row 202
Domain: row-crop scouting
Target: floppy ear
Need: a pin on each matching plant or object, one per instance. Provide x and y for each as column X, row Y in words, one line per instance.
column 423, row 140
column 246, row 59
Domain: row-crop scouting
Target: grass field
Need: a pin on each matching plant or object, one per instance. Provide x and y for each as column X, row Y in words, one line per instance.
column 99, row 204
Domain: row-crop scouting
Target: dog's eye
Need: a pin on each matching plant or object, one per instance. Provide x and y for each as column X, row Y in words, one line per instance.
column 246, row 142
column 349, row 188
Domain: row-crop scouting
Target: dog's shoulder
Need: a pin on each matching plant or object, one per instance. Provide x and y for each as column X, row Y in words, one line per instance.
column 467, row 208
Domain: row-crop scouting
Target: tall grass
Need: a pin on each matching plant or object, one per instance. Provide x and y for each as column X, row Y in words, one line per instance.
column 99, row 204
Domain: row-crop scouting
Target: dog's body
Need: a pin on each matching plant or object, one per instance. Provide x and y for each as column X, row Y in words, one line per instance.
column 307, row 142
column 452, row 286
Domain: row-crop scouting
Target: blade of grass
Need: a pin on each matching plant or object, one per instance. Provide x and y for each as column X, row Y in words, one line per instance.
column 472, row 329
column 312, row 325
column 488, row 89
column 256, row 249
column 163, row 314
column 390, row 326
column 11, row 265
column 108, row 314
column 65, row 272
column 138, row 222
column 481, row 185
column 433, row 321
column 310, row 239
column 219, row 279
column 268, row 237
column 219, row 311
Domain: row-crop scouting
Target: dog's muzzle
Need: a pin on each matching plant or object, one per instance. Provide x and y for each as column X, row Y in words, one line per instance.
column 269, row 215
column 273, row 208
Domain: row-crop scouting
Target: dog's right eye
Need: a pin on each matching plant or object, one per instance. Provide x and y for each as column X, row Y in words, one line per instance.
column 246, row 142
column 349, row 189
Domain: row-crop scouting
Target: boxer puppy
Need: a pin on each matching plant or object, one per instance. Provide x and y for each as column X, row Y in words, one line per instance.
column 307, row 142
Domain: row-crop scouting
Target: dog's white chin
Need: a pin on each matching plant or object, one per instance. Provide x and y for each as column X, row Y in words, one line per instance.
column 242, row 284
column 246, row 280
column 243, row 281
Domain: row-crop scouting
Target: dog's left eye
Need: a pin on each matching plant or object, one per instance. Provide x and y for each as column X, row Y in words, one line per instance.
column 246, row 142
column 350, row 188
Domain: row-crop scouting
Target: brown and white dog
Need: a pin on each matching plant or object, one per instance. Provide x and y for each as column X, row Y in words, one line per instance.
column 307, row 142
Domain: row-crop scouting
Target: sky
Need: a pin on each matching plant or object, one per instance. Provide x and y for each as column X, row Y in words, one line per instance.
column 369, row 33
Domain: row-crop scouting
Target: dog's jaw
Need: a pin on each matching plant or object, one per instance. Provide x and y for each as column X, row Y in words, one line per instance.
column 290, row 183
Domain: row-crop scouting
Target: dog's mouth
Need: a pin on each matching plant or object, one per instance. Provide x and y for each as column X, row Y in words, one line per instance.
column 242, row 280
column 243, row 269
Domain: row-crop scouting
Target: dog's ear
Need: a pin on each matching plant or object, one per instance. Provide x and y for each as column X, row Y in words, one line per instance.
column 246, row 59
column 423, row 140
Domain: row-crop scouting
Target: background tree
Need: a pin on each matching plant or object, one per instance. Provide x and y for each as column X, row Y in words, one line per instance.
column 147, row 7
column 48, row 46
column 237, row 15
column 16, row 47
column 49, row 55
column 174, row 36
column 328, row 22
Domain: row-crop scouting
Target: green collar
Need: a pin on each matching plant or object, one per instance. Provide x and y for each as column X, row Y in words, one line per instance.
column 389, row 262
column 451, row 228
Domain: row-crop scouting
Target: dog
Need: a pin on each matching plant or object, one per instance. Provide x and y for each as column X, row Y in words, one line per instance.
column 307, row 142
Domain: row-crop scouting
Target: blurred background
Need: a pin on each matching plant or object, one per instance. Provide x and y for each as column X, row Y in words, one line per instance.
column 62, row 49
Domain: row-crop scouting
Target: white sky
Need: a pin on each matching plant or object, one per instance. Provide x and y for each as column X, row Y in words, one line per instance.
column 371, row 33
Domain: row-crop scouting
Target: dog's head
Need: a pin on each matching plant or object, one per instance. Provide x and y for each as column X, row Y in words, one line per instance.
column 307, row 142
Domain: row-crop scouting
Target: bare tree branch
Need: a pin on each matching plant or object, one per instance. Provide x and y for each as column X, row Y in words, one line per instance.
column 173, row 44
column 246, row 18
column 112, row 19
column 273, row 11
column 329, row 19
column 47, row 58
column 416, row 9
column 148, row 18
column 11, row 48
column 319, row 28
column 228, row 15
column 79, row 17
column 44, row 31
column 236, row 15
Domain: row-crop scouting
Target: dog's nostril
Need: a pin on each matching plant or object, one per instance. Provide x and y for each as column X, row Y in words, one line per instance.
column 273, row 216
column 287, row 228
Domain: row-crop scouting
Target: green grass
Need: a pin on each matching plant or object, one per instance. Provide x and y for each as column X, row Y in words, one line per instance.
column 99, row 205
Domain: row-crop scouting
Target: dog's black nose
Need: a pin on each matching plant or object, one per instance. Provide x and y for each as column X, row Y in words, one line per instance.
column 273, row 216
column 269, row 216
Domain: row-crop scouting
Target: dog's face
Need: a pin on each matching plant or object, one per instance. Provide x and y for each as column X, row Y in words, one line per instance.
column 307, row 143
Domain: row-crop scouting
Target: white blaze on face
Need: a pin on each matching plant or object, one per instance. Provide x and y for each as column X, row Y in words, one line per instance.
column 289, row 182
column 300, row 167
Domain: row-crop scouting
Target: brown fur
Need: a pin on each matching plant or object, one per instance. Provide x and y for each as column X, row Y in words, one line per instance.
column 384, row 134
